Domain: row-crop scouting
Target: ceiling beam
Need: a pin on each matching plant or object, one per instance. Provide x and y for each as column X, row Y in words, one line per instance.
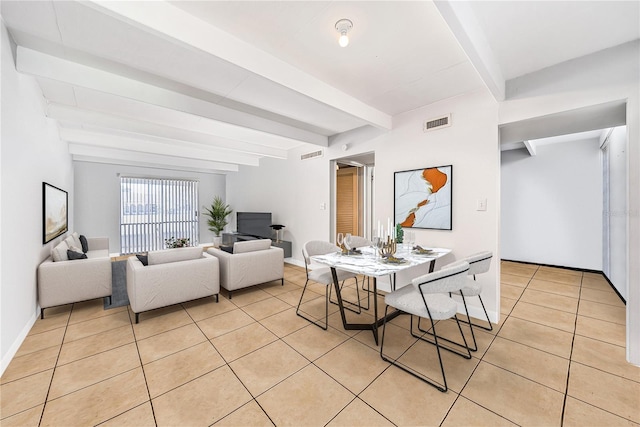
column 170, row 22
column 531, row 147
column 246, row 127
column 465, row 28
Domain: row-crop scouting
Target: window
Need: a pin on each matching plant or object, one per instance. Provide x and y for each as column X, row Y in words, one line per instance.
column 152, row 210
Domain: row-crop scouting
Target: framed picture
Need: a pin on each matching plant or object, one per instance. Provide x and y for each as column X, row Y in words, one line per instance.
column 422, row 198
column 55, row 203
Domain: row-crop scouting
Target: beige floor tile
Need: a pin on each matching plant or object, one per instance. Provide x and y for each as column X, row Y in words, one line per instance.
column 91, row 309
column 204, row 308
column 25, row 393
column 602, row 297
column 37, row 342
column 249, row 415
column 396, row 340
column 514, row 280
column 246, row 296
column 91, row 370
column 558, row 277
column 265, row 308
column 502, row 392
column 352, row 364
column 99, row 402
column 411, row 398
column 545, row 316
column 95, row 326
column 28, row 418
column 284, row 323
column 95, row 344
column 166, row 343
column 601, row 330
column 449, row 329
column 422, row 357
column 312, row 342
column 179, row 368
column 224, row 323
column 605, row 391
column 537, row 336
column 547, row 299
column 309, row 397
column 276, row 288
column 467, row 413
column 243, row 341
column 560, row 270
column 525, row 270
column 335, row 319
column 606, row 357
column 509, row 291
column 595, row 281
column 536, row 365
column 51, row 321
column 358, row 413
column 140, row 416
column 506, row 305
column 267, row 366
column 555, row 288
column 30, row 364
column 609, row 313
column 209, row 399
column 581, row 414
column 292, row 297
column 161, row 320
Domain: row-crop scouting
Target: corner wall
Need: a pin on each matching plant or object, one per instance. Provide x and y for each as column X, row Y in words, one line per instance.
column 31, row 153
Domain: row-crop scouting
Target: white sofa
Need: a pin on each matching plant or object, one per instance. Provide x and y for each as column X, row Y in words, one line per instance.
column 63, row 281
column 251, row 263
column 172, row 276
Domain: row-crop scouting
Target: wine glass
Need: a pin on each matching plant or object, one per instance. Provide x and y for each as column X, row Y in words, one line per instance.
column 347, row 241
column 340, row 239
column 375, row 245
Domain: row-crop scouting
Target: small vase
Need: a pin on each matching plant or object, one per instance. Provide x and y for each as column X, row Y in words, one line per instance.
column 217, row 241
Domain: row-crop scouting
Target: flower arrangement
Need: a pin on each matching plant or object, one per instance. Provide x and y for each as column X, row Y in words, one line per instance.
column 176, row 243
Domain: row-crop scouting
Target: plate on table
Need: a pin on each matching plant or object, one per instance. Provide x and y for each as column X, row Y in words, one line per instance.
column 393, row 260
column 421, row 251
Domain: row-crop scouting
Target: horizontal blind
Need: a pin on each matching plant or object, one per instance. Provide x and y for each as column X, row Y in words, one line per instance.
column 153, row 210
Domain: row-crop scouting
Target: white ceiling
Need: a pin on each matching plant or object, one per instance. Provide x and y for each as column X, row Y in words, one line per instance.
column 209, row 86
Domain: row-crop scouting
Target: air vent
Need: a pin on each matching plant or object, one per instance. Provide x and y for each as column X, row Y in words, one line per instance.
column 437, row 123
column 311, row 155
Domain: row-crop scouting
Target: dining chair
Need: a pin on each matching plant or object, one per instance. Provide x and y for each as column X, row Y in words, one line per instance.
column 322, row 276
column 478, row 263
column 429, row 298
column 360, row 242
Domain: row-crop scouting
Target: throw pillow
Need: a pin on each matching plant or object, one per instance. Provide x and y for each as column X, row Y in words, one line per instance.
column 227, row 248
column 75, row 255
column 84, row 243
column 59, row 252
column 144, row 259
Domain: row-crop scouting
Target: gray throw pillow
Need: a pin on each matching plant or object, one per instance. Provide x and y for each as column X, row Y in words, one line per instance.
column 84, row 243
column 144, row 259
column 75, row 255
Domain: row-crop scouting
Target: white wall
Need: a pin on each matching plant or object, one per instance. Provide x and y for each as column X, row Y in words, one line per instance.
column 618, row 209
column 97, row 189
column 31, row 153
column 552, row 205
column 293, row 190
column 606, row 76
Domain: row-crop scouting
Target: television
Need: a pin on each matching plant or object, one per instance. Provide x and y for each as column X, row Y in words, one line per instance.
column 256, row 224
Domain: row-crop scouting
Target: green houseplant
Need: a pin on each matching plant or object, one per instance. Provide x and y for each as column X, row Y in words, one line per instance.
column 217, row 215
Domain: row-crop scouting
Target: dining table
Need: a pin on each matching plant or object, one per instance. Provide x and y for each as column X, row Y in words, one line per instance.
column 368, row 262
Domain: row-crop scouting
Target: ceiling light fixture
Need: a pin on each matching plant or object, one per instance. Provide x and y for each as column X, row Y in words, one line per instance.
column 343, row 26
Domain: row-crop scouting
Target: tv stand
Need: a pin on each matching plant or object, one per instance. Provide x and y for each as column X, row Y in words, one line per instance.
column 230, row 238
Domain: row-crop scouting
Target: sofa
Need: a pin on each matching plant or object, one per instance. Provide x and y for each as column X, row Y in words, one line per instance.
column 171, row 276
column 251, row 262
column 63, row 281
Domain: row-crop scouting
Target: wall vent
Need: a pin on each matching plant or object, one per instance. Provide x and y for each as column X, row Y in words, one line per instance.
column 311, row 155
column 437, row 123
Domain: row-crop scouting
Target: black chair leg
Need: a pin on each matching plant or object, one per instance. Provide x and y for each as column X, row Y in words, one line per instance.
column 217, row 297
column 41, row 313
column 326, row 309
column 137, row 317
column 344, row 301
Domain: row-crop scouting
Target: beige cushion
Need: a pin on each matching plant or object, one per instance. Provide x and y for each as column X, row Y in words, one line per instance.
column 174, row 255
column 251, row 246
column 59, row 252
column 76, row 239
column 70, row 242
column 76, row 249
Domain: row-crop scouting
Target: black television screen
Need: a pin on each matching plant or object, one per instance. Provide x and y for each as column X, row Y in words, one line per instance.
column 256, row 224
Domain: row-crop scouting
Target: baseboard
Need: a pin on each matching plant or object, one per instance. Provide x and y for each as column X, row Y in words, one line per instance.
column 294, row 262
column 584, row 270
column 7, row 358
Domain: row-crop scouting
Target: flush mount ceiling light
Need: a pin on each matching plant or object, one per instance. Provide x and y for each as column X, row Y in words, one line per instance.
column 343, row 26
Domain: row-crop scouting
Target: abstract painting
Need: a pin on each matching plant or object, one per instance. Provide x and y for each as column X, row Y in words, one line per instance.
column 422, row 198
column 54, row 212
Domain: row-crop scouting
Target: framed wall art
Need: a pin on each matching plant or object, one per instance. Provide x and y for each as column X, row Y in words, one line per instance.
column 55, row 218
column 422, row 198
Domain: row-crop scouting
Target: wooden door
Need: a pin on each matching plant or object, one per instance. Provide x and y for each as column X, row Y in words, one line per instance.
column 347, row 201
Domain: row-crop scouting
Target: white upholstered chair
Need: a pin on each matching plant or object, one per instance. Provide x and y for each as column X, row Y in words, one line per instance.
column 429, row 298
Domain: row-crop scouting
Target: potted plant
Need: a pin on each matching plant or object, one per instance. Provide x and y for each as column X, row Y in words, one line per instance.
column 217, row 214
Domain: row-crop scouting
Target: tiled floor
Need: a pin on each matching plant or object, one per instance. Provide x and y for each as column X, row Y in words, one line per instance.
column 557, row 358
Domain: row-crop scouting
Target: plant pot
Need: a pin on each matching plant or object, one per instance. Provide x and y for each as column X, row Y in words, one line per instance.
column 217, row 241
